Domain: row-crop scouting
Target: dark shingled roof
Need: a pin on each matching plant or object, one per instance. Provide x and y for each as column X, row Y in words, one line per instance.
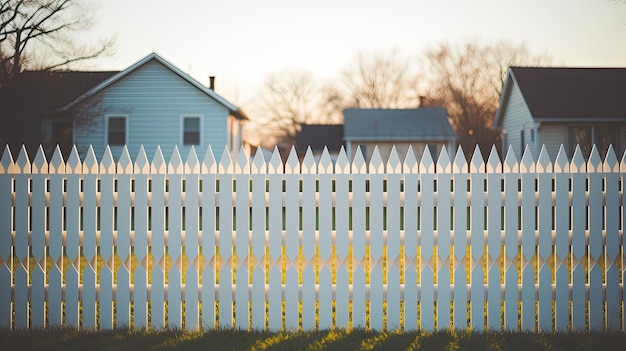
column 425, row 123
column 319, row 135
column 573, row 92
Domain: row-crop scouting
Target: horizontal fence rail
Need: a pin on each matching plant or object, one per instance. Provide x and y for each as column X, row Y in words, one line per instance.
column 526, row 244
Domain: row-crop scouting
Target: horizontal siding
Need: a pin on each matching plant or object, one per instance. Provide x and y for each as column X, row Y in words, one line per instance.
column 516, row 117
column 154, row 98
column 553, row 136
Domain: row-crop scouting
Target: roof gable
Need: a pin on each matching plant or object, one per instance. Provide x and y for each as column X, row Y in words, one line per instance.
column 121, row 75
column 425, row 123
column 572, row 92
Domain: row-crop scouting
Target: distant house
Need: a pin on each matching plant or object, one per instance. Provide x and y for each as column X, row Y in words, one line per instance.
column 563, row 106
column 153, row 103
column 33, row 99
column 384, row 128
column 318, row 137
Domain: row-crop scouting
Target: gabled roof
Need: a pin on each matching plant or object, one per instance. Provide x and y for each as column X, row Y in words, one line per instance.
column 554, row 94
column 153, row 56
column 425, row 123
column 319, row 135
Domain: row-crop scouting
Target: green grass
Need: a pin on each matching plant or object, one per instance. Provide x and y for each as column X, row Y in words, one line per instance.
column 354, row 339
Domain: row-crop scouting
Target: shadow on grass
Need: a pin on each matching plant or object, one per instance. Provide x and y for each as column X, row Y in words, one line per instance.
column 340, row 339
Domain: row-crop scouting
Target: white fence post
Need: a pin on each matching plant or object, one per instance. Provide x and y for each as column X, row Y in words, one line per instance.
column 38, row 246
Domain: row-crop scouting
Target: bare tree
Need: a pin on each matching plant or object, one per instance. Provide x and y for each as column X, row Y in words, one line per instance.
column 467, row 79
column 284, row 102
column 380, row 80
column 40, row 34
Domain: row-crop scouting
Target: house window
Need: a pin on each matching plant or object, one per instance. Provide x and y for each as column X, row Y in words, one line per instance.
column 587, row 136
column 116, row 130
column 191, row 130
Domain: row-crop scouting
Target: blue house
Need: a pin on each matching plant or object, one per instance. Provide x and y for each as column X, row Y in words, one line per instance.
column 153, row 103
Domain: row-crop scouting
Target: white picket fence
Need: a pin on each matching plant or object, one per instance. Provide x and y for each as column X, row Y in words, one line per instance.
column 267, row 244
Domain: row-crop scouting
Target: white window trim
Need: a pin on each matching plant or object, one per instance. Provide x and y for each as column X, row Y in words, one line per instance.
column 181, row 129
column 106, row 128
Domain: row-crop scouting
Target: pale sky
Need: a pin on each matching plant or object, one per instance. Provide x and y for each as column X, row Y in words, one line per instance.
column 243, row 41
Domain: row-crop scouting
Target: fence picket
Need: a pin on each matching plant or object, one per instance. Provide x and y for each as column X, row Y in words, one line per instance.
column 494, row 239
column 275, row 242
column 444, row 178
column 612, row 243
column 595, row 240
column 527, row 170
column 90, row 239
column 394, row 174
column 140, row 242
column 545, row 177
column 342, row 240
column 376, row 241
column 158, row 170
column 209, row 258
column 56, row 168
column 427, row 241
column 325, row 240
column 225, row 242
column 410, row 168
column 359, row 240
column 460, row 178
column 511, row 240
column 579, row 242
column 259, row 171
column 477, row 240
column 242, row 241
column 562, row 255
column 21, row 255
column 309, row 242
column 73, row 171
column 124, row 189
column 292, row 237
column 7, row 170
column 191, row 244
column 38, row 219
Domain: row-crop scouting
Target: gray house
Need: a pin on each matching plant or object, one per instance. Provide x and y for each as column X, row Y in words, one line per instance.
column 154, row 103
column 563, row 106
column 384, row 128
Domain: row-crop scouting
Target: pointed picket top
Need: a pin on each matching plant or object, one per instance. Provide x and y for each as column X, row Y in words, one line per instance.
column 410, row 165
column 342, row 166
column 578, row 164
column 376, row 163
column 226, row 163
column 427, row 165
column 394, row 166
column 142, row 166
column 22, row 164
column 358, row 163
column 594, row 165
column 477, row 164
column 610, row 162
column 493, row 163
column 275, row 165
column 292, row 166
column 443, row 162
column 158, row 165
column 6, row 162
column 325, row 166
column 309, row 165
column 73, row 164
column 242, row 165
column 40, row 165
column 175, row 165
column 527, row 164
column 192, row 165
column 258, row 165
column 561, row 164
column 209, row 165
column 57, row 165
column 460, row 163
column 544, row 165
column 125, row 164
column 90, row 166
column 510, row 164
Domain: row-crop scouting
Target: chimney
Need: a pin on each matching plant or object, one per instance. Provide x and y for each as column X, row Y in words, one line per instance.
column 423, row 101
column 212, row 83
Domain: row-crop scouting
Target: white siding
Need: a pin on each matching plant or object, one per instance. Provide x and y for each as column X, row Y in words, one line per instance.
column 552, row 136
column 517, row 118
column 154, row 98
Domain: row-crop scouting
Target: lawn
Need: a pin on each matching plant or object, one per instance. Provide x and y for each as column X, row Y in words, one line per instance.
column 355, row 339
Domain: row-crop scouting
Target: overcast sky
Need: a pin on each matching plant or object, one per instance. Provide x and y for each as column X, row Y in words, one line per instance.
column 242, row 41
